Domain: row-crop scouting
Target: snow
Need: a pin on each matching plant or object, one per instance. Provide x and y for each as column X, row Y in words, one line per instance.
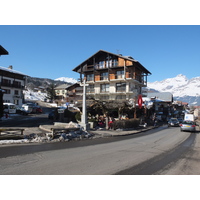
column 34, row 96
column 66, row 79
column 11, row 70
column 179, row 86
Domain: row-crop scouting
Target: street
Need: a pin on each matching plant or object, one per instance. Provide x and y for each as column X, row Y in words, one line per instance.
column 159, row 151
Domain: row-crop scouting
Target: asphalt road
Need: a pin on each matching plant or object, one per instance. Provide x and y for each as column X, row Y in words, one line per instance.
column 153, row 152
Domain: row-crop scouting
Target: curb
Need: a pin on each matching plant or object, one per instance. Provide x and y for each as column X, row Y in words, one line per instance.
column 120, row 133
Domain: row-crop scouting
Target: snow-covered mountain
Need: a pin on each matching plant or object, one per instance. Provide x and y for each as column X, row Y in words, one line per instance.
column 66, row 79
column 182, row 88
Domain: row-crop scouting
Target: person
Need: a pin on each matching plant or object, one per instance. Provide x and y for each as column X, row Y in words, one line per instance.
column 101, row 122
column 110, row 123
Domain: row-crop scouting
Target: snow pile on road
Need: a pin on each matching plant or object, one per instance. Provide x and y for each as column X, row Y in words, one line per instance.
column 14, row 141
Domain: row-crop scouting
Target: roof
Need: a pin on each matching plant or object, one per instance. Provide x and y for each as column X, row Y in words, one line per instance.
column 73, row 85
column 163, row 96
column 11, row 71
column 117, row 55
column 3, row 51
column 63, row 86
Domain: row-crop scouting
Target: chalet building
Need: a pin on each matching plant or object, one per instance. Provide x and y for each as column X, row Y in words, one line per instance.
column 74, row 93
column 61, row 92
column 69, row 93
column 12, row 83
column 112, row 76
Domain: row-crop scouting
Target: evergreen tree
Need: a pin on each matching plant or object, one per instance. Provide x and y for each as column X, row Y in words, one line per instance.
column 51, row 94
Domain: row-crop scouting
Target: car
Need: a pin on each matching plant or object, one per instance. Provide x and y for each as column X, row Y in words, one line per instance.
column 22, row 111
column 180, row 120
column 51, row 115
column 173, row 122
column 188, row 126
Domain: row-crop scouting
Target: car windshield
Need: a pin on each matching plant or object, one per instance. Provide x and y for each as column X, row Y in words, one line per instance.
column 189, row 122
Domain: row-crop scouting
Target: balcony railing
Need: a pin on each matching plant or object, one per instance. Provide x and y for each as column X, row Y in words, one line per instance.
column 12, row 85
column 116, row 77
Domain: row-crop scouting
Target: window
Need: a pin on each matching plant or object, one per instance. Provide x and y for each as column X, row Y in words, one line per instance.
column 16, row 102
column 101, row 64
column 90, row 77
column 6, row 82
column 16, row 92
column 115, row 62
column 104, row 76
column 104, row 98
column 121, row 97
column 120, row 74
column 90, row 89
column 105, row 87
column 7, row 91
column 108, row 63
column 17, row 84
column 120, row 87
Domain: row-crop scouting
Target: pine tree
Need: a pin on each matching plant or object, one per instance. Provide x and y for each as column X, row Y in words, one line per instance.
column 51, row 94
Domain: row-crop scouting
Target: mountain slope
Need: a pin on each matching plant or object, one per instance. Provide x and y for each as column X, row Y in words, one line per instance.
column 66, row 79
column 182, row 88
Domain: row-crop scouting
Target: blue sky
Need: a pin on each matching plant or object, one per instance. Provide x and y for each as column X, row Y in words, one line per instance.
column 53, row 51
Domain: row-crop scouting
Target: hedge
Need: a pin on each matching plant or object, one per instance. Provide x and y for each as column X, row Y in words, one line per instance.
column 124, row 124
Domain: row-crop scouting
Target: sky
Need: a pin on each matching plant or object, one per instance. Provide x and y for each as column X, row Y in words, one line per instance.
column 52, row 51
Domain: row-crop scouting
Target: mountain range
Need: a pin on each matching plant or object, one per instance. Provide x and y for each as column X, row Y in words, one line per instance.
column 182, row 88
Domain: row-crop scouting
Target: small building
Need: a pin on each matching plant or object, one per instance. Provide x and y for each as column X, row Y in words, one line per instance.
column 61, row 92
column 161, row 103
column 161, row 99
column 74, row 93
column 13, row 84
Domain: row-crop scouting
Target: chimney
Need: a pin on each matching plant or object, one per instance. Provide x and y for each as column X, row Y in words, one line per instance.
column 10, row 67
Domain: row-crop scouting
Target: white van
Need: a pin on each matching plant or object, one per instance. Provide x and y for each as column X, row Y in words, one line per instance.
column 9, row 108
column 189, row 117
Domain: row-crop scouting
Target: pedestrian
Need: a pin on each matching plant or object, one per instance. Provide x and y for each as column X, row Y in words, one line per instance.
column 110, row 123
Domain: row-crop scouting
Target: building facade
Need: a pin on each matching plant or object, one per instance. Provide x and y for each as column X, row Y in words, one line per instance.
column 61, row 92
column 112, row 76
column 12, row 83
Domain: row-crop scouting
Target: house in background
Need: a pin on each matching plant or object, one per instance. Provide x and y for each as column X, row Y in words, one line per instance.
column 13, row 83
column 66, row 93
column 161, row 103
column 74, row 93
column 112, row 77
column 61, row 92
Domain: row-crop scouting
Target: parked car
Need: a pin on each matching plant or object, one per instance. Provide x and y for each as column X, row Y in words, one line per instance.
column 188, row 126
column 22, row 111
column 9, row 108
column 38, row 109
column 173, row 122
column 180, row 120
column 51, row 115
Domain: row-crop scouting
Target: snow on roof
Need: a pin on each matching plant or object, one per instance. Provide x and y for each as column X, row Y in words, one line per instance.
column 11, row 70
column 163, row 96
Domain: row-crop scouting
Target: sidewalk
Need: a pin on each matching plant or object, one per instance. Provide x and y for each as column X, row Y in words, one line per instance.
column 119, row 132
